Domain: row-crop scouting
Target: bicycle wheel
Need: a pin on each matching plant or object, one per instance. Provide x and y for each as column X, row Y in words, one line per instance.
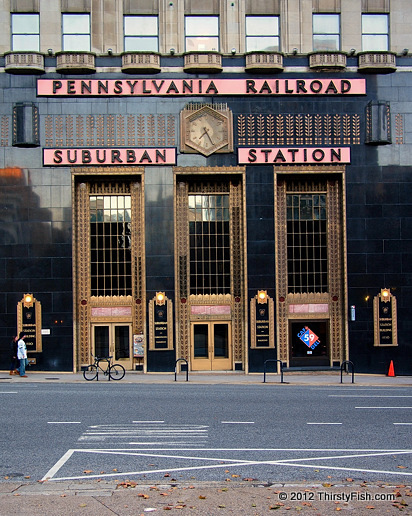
column 116, row 372
column 90, row 372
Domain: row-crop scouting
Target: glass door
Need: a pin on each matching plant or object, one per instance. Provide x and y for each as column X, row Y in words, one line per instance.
column 211, row 346
column 113, row 340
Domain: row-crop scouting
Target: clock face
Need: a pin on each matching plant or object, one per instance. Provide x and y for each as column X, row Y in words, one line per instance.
column 206, row 131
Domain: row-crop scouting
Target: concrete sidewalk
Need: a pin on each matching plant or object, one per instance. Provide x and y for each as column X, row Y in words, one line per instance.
column 315, row 378
column 234, row 497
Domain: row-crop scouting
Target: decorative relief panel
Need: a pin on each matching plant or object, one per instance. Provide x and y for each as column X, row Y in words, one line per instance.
column 5, row 130
column 112, row 183
column 110, row 130
column 236, row 300
column 293, row 129
column 329, row 305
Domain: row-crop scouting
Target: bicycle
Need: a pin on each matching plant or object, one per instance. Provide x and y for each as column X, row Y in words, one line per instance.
column 114, row 371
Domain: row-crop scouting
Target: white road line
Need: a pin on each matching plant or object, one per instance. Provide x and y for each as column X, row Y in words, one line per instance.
column 283, row 462
column 147, row 421
column 64, row 422
column 237, row 422
column 383, row 408
column 402, row 423
column 8, row 392
column 52, row 471
column 367, row 396
column 323, row 423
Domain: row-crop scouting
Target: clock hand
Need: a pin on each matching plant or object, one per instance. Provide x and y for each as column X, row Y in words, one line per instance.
column 210, row 138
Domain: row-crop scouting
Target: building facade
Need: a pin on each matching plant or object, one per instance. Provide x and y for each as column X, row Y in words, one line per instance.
column 217, row 185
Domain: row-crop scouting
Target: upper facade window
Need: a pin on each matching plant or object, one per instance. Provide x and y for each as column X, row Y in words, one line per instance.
column 141, row 33
column 76, row 32
column 326, row 32
column 375, row 32
column 201, row 33
column 25, row 32
column 262, row 33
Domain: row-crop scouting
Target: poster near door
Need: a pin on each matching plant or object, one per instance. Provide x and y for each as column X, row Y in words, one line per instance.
column 309, row 343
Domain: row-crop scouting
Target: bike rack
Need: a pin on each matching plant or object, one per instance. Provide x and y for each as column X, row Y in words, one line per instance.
column 344, row 366
column 264, row 369
column 187, row 370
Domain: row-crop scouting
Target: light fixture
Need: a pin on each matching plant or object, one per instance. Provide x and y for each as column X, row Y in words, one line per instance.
column 50, row 51
column 172, row 51
column 262, row 296
column 233, row 51
column 352, row 51
column 405, row 51
column 110, row 51
column 160, row 298
column 385, row 294
column 28, row 300
column 295, row 51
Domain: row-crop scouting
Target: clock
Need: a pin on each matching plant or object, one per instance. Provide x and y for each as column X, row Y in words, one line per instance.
column 206, row 129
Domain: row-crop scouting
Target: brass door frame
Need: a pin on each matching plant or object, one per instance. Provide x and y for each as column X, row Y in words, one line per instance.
column 336, row 297
column 127, row 363
column 237, row 300
column 122, row 309
column 211, row 363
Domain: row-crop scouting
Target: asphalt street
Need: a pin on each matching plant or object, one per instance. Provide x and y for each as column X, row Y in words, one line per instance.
column 213, row 432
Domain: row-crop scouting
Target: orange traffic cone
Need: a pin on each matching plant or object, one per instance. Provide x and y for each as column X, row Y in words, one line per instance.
column 391, row 371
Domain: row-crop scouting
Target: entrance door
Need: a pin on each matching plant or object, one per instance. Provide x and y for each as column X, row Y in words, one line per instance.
column 113, row 340
column 211, row 346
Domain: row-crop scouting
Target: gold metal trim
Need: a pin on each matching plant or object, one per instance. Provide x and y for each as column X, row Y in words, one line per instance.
column 169, row 324
column 394, row 316
column 108, row 179
column 270, row 303
column 183, row 318
column 337, row 269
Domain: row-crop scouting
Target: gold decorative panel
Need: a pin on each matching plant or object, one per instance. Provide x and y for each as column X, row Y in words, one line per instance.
column 211, row 180
column 330, row 305
column 5, row 131
column 105, row 181
column 298, row 129
column 111, row 130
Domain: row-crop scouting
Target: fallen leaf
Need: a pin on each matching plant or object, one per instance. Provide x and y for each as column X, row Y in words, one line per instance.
column 327, row 485
column 83, row 505
column 235, row 476
column 28, row 476
column 222, row 506
column 274, row 507
column 349, row 480
column 167, row 475
column 201, row 497
column 402, row 467
column 142, row 495
column 370, row 507
column 88, row 471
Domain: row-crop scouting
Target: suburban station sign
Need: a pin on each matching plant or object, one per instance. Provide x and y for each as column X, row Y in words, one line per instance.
column 110, row 156
column 204, row 87
column 287, row 155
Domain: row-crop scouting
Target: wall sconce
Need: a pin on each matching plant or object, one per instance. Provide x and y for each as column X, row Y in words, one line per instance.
column 295, row 51
column 352, row 51
column 233, row 51
column 50, row 51
column 160, row 298
column 110, row 51
column 405, row 51
column 172, row 51
column 262, row 296
column 385, row 295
